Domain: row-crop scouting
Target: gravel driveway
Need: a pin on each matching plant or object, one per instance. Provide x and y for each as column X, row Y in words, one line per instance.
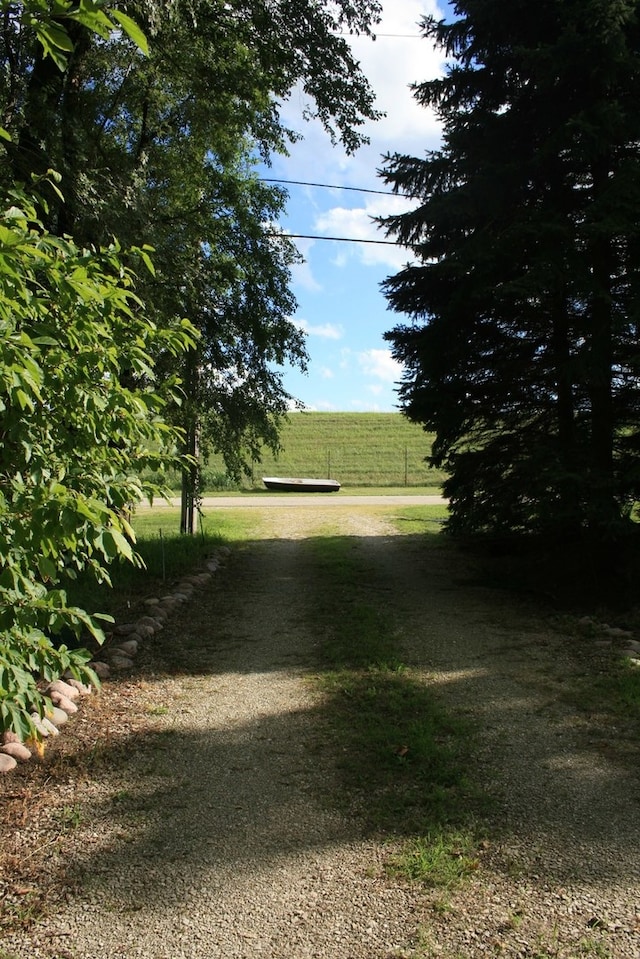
column 191, row 818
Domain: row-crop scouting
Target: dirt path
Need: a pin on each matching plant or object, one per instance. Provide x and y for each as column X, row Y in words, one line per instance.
column 203, row 830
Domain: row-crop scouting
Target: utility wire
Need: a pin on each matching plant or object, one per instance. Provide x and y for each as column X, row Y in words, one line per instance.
column 339, row 239
column 405, row 36
column 334, row 186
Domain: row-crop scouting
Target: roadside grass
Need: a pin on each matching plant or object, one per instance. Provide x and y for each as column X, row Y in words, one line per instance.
column 403, row 755
column 619, row 689
column 604, row 685
column 610, row 697
column 166, row 555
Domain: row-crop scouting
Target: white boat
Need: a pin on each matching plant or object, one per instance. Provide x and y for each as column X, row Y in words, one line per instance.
column 287, row 484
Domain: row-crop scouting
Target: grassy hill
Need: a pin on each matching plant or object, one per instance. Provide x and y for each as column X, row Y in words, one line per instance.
column 357, row 449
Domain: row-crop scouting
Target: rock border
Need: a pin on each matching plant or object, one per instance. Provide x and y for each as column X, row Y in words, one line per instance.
column 119, row 652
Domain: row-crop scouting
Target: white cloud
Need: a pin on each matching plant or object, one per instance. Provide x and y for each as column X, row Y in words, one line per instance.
column 302, row 276
column 326, row 373
column 328, row 331
column 362, row 406
column 381, row 365
column 301, row 273
column 358, row 224
column 345, row 358
column 399, row 57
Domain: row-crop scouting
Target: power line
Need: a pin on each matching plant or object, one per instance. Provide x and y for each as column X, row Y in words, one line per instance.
column 338, row 239
column 333, row 186
column 404, row 36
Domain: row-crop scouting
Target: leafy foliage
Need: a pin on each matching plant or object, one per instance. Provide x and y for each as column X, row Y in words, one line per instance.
column 163, row 149
column 73, row 438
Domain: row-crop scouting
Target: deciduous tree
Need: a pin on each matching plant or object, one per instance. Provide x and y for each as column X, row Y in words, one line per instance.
column 163, row 150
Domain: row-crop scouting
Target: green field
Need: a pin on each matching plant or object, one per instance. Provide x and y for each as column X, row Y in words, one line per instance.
column 357, row 449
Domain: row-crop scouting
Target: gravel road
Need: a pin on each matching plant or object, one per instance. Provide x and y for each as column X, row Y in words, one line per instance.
column 308, row 501
column 205, row 832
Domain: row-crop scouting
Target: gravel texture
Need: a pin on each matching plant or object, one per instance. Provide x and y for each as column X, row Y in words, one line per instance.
column 184, row 813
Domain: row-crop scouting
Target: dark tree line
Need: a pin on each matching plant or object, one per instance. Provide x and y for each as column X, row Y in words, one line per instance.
column 524, row 299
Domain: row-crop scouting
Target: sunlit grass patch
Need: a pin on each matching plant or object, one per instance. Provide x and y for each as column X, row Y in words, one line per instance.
column 441, row 859
column 401, row 754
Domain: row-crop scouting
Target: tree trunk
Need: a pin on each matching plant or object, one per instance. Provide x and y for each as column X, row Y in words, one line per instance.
column 190, row 483
column 570, row 515
column 191, row 474
column 603, row 511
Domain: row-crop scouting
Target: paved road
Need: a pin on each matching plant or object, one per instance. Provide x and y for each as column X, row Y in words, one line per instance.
column 308, row 499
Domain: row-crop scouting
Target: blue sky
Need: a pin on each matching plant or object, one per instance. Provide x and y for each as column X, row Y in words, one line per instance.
column 340, row 304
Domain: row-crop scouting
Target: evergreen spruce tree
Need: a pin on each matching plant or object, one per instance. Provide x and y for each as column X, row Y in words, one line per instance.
column 522, row 350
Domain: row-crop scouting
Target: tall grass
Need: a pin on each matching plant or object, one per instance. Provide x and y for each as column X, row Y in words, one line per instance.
column 166, row 556
column 357, row 449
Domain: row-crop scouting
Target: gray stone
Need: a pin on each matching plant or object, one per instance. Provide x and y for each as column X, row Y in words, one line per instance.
column 129, row 647
column 44, row 727
column 9, row 736
column 62, row 688
column 82, row 688
column 57, row 715
column 101, row 670
column 63, row 702
column 7, row 763
column 120, row 661
column 615, row 632
column 18, row 750
column 40, row 726
column 50, row 727
column 123, row 629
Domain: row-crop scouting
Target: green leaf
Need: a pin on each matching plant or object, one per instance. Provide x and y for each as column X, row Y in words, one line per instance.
column 132, row 29
column 55, row 35
column 48, row 569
